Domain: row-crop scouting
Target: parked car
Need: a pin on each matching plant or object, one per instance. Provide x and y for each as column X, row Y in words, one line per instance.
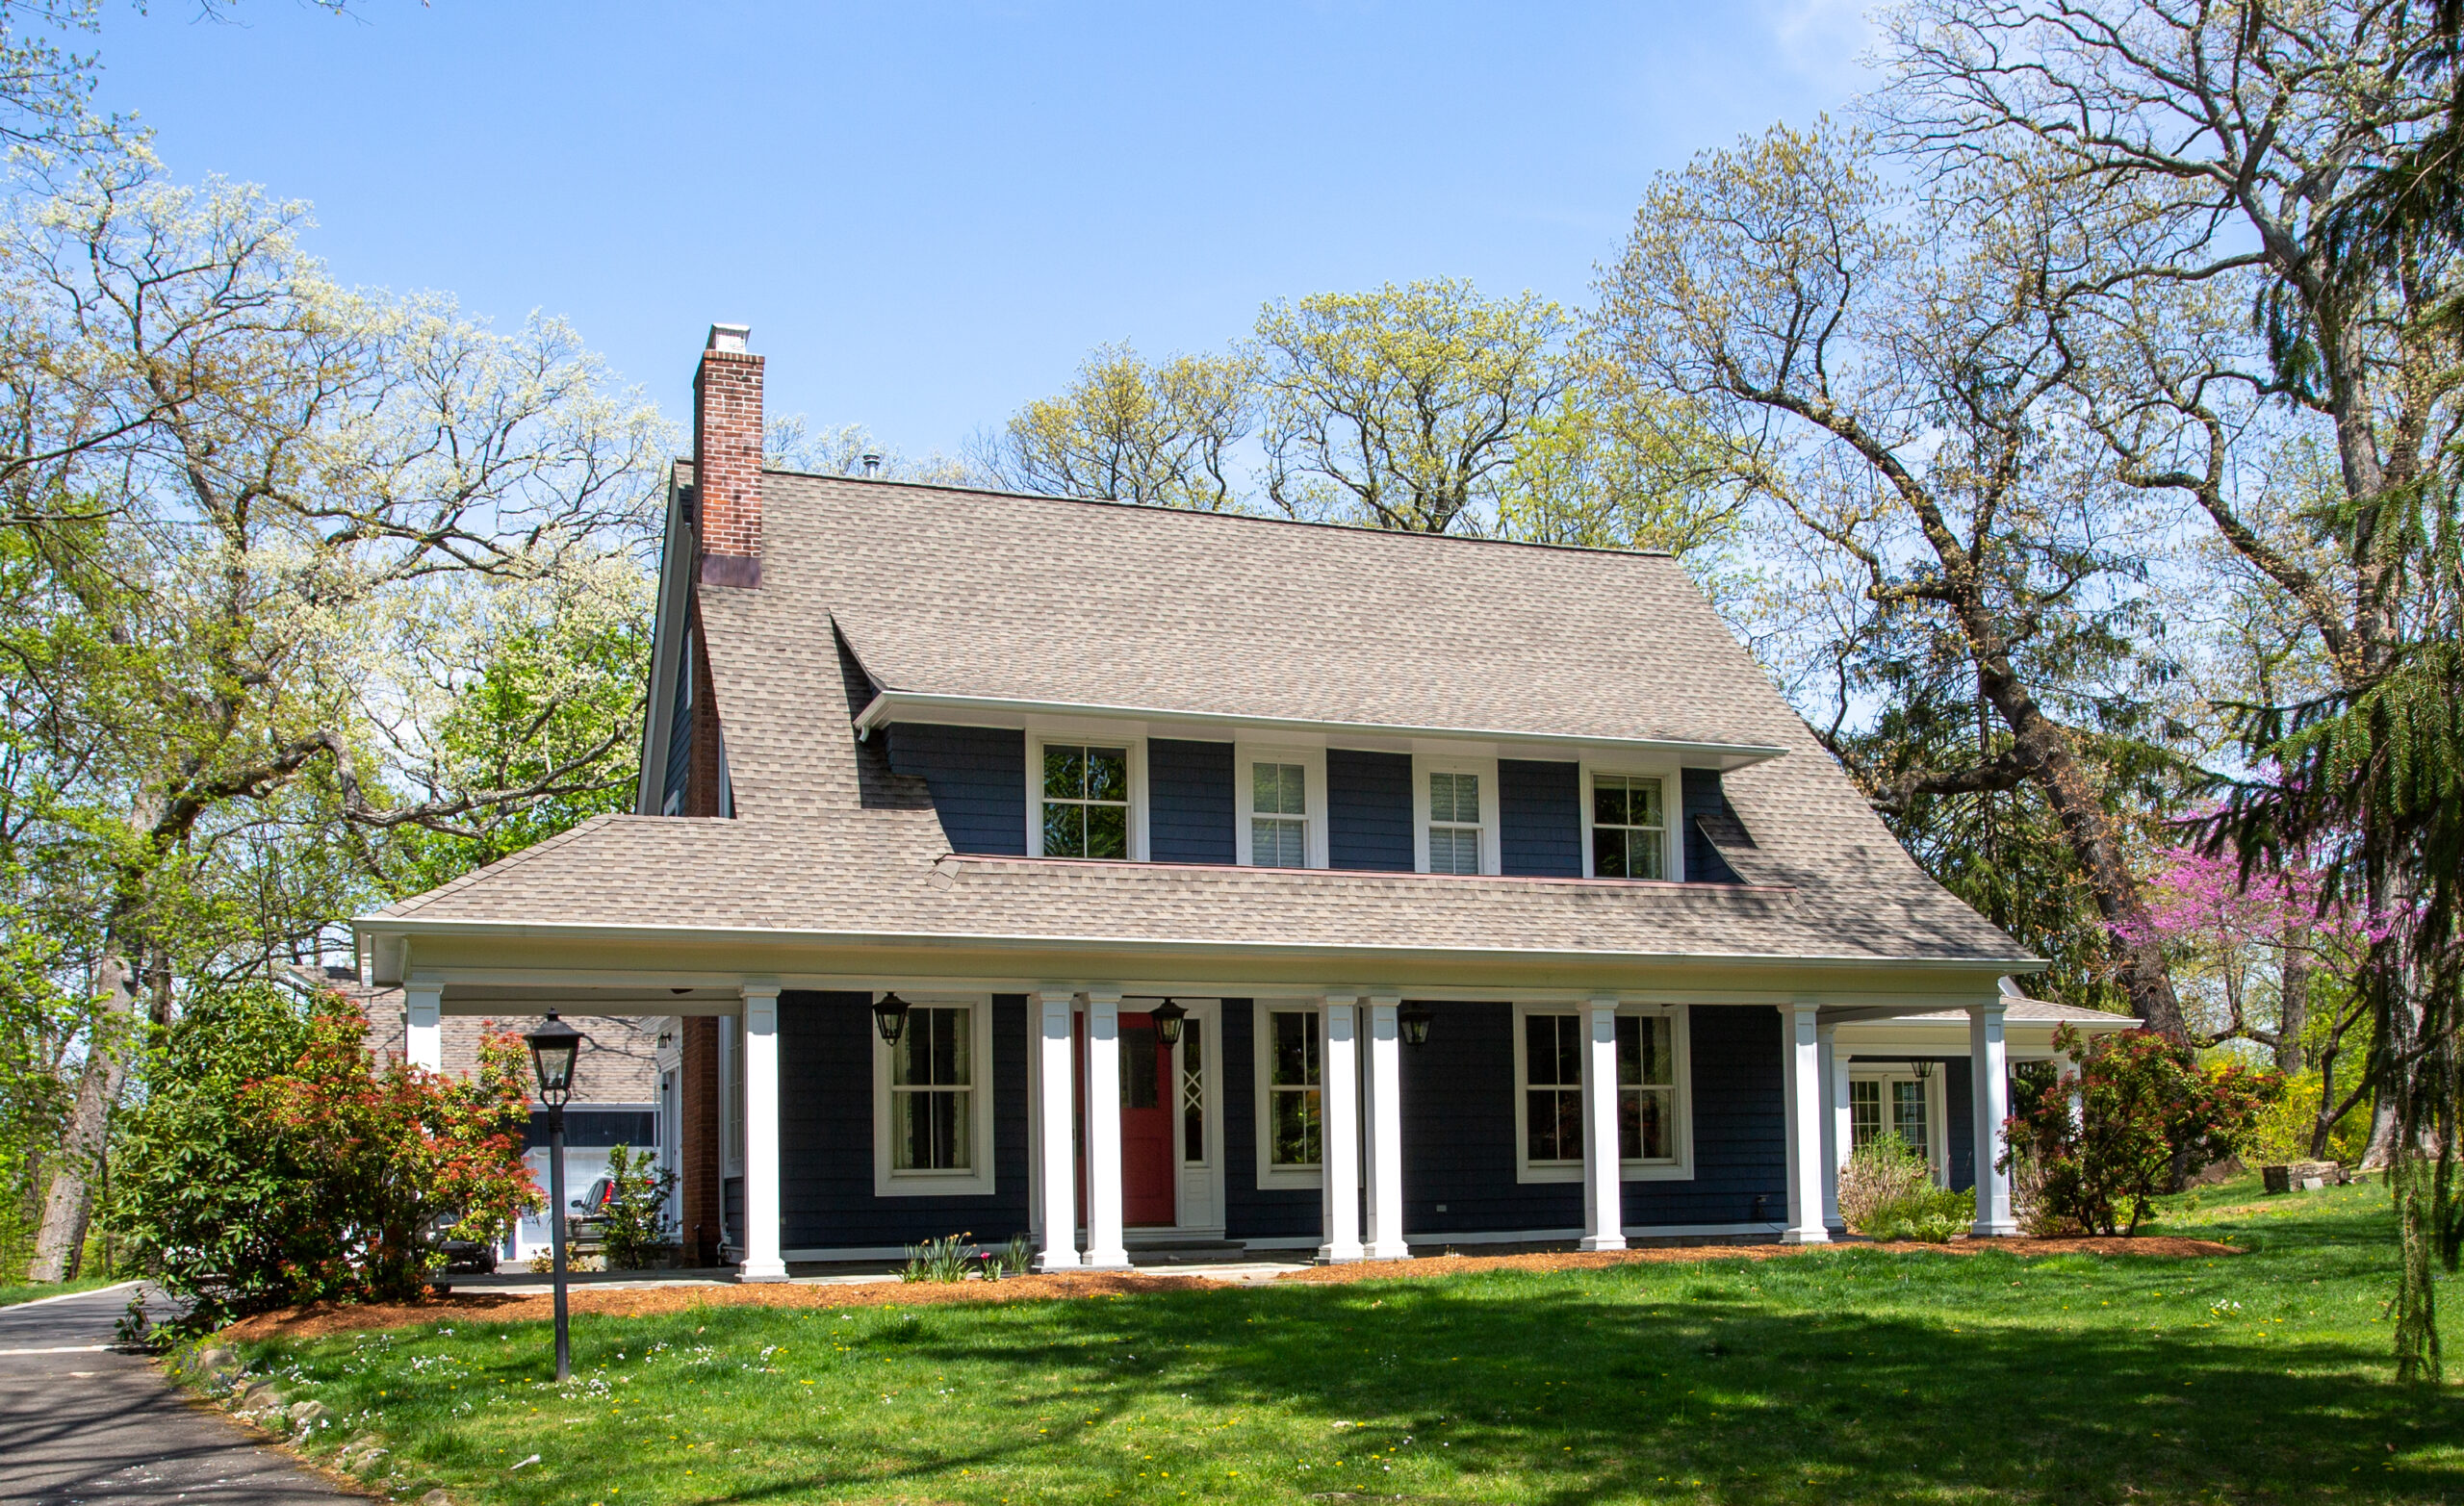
column 585, row 1216
column 462, row 1257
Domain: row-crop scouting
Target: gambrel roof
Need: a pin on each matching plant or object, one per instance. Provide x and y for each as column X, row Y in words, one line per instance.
column 915, row 595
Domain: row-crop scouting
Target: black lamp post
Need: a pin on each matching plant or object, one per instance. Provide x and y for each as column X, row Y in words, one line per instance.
column 553, row 1045
column 1414, row 1019
column 1168, row 1018
column 890, row 1017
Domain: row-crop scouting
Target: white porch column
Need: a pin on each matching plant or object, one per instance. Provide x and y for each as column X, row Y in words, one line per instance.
column 1802, row 1082
column 1338, row 1131
column 1385, row 1132
column 761, row 1261
column 1837, row 1136
column 1603, row 1183
column 423, row 1042
column 1056, row 1132
column 1104, row 1248
column 1989, row 1062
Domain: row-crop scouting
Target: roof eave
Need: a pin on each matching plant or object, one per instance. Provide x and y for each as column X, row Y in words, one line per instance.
column 896, row 705
column 375, row 929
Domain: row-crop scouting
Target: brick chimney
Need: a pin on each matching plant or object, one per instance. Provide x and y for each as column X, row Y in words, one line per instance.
column 726, row 458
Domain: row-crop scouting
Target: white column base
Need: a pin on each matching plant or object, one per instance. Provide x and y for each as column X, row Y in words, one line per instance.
column 423, row 1026
column 1056, row 1133
column 1805, row 1237
column 1989, row 1060
column 1604, row 1190
column 1105, row 1250
column 761, row 1261
column 1385, row 1123
column 1339, row 1170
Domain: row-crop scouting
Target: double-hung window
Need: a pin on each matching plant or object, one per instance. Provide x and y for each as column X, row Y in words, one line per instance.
column 1279, row 815
column 1553, row 1050
column 932, row 1086
column 1295, row 1086
column 1453, row 822
column 1628, row 827
column 1086, row 801
column 1646, row 1087
column 932, row 1101
column 1552, row 1089
column 1896, row 1106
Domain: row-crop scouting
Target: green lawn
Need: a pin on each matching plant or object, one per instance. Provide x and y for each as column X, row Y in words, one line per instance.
column 1852, row 1374
column 10, row 1295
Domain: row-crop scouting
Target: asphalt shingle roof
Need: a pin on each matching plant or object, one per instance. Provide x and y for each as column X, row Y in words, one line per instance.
column 967, row 593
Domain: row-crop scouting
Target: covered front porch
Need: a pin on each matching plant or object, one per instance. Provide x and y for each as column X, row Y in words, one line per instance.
column 1327, row 1123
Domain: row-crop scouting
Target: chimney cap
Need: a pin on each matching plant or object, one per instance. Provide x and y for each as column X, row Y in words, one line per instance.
column 729, row 336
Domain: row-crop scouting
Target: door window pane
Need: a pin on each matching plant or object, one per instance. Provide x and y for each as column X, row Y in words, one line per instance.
column 1137, row 1068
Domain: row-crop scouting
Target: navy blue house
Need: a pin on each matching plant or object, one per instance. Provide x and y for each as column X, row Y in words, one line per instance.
column 1150, row 881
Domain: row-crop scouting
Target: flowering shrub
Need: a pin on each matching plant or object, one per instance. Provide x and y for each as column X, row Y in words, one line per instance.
column 634, row 1216
column 1929, row 1215
column 1880, row 1172
column 272, row 1163
column 2144, row 1098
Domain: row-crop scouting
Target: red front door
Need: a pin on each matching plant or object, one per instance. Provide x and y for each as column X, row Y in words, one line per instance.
column 1148, row 1193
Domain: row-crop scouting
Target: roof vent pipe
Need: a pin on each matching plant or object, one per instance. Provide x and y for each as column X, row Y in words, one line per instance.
column 872, row 461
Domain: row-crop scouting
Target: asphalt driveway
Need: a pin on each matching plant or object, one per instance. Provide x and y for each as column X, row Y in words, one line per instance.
column 81, row 1423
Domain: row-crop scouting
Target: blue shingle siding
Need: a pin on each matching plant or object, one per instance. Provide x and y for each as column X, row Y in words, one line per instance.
column 680, row 734
column 1250, row 1212
column 1540, row 819
column 1704, row 863
column 1369, row 811
column 978, row 777
column 1460, row 1099
column 1959, row 1106
column 826, row 1133
column 1189, row 801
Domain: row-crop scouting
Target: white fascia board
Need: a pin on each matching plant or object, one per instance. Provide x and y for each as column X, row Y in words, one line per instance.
column 382, row 930
column 896, row 705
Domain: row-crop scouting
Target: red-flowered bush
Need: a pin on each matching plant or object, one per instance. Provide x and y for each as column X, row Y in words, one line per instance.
column 272, row 1163
column 2141, row 1100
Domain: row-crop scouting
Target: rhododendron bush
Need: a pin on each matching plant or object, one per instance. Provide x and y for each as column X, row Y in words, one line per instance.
column 274, row 1163
column 2140, row 1100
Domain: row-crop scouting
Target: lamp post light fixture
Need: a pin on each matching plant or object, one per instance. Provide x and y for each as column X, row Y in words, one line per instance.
column 890, row 1017
column 553, row 1046
column 1414, row 1020
column 1168, row 1018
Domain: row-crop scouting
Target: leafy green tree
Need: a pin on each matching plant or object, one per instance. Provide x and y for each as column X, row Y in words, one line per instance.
column 1125, row 431
column 274, row 1163
column 1889, row 375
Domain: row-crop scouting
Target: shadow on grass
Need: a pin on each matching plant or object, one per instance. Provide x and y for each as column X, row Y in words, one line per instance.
column 1602, row 1388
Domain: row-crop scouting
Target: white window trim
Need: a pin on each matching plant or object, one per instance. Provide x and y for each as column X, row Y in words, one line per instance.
column 1422, row 766
column 1937, row 1150
column 1671, row 797
column 1270, row 1175
column 1313, row 764
column 976, row 1179
column 1678, row 1168
column 1137, row 746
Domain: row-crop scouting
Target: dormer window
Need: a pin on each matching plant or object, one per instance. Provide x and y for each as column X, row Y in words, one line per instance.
column 1628, row 827
column 1454, row 823
column 1086, row 801
column 1279, row 819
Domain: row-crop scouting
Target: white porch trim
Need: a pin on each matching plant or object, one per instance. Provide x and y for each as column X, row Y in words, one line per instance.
column 1055, row 1188
column 1802, row 1083
column 1105, row 1250
column 1989, row 1061
column 761, row 1259
column 424, row 1030
column 1339, row 1133
column 1603, row 1206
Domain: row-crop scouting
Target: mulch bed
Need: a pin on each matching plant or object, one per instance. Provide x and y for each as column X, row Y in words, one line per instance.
column 648, row 1301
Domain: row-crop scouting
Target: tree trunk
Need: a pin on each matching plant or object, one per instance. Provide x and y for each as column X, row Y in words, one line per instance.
column 2293, row 1005
column 71, row 1205
column 2045, row 746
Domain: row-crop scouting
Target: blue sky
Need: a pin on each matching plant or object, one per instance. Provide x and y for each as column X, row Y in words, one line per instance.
column 929, row 213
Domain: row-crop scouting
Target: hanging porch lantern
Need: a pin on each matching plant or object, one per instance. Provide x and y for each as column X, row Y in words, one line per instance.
column 890, row 1017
